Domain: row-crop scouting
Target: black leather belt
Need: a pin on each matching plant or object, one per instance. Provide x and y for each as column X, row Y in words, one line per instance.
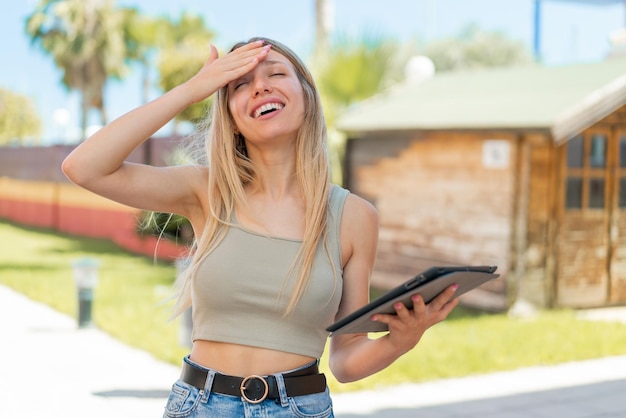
column 256, row 389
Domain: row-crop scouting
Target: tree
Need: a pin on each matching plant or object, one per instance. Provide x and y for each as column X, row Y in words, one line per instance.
column 18, row 118
column 144, row 36
column 355, row 69
column 86, row 40
column 475, row 48
column 183, row 53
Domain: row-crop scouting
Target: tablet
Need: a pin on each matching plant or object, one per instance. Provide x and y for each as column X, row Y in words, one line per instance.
column 428, row 284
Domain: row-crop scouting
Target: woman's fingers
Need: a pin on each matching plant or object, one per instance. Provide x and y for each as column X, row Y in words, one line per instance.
column 241, row 61
column 246, row 54
column 444, row 297
column 219, row 71
column 420, row 311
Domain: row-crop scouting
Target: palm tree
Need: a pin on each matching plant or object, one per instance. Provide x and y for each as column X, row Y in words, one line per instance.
column 86, row 41
column 182, row 54
column 143, row 36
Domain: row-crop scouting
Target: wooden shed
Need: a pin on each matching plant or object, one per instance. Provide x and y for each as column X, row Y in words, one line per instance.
column 524, row 168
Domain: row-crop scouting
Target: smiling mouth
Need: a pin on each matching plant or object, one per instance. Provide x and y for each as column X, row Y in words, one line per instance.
column 267, row 109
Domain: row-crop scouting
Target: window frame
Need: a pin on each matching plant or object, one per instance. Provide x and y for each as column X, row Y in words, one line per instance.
column 589, row 173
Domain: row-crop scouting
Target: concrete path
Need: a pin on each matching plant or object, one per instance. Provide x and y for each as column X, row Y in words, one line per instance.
column 50, row 368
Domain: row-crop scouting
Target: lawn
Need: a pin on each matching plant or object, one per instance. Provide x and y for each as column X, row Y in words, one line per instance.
column 131, row 303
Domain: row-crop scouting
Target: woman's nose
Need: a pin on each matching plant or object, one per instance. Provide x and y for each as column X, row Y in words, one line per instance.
column 261, row 86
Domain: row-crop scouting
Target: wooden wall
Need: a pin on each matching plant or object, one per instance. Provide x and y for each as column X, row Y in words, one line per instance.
column 536, row 281
column 437, row 202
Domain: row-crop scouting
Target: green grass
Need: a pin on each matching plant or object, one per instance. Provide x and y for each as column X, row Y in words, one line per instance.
column 132, row 289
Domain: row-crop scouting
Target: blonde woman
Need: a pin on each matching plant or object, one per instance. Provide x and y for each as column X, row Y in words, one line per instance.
column 280, row 252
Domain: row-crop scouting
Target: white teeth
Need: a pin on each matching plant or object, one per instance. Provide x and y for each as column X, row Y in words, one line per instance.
column 266, row 107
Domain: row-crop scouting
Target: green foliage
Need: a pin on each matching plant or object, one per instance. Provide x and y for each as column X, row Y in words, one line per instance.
column 474, row 48
column 181, row 57
column 19, row 120
column 355, row 69
column 170, row 226
column 143, row 34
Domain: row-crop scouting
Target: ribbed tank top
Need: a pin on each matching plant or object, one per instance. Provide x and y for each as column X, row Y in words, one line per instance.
column 236, row 293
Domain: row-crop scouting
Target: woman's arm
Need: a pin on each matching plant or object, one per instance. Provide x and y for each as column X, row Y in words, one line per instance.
column 98, row 164
column 355, row 356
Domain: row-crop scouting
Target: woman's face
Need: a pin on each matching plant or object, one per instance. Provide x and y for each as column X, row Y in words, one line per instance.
column 267, row 104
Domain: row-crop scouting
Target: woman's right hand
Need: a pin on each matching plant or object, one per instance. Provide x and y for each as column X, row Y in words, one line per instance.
column 218, row 72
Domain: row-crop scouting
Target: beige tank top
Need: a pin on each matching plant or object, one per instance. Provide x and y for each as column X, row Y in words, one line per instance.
column 236, row 294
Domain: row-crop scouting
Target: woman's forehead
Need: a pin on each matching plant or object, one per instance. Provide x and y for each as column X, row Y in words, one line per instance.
column 275, row 57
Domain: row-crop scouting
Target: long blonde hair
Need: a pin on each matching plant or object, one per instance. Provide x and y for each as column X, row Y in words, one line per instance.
column 230, row 170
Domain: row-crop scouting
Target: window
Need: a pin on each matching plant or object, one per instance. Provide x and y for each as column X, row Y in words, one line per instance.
column 596, row 193
column 574, row 193
column 622, row 193
column 575, row 151
column 585, row 180
column 597, row 154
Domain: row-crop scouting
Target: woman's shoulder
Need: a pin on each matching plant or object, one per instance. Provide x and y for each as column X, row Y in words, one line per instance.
column 358, row 210
column 359, row 230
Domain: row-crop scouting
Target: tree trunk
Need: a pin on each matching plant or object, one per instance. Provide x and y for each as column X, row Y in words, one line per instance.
column 323, row 24
column 145, row 88
column 104, row 119
column 84, row 110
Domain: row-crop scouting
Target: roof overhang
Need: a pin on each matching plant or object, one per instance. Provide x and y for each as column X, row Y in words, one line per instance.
column 593, row 108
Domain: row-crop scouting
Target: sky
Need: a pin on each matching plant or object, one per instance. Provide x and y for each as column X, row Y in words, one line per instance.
column 571, row 32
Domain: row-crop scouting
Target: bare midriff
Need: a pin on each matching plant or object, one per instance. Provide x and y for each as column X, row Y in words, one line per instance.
column 242, row 360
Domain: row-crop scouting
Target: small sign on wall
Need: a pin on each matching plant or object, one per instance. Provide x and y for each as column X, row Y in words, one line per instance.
column 496, row 153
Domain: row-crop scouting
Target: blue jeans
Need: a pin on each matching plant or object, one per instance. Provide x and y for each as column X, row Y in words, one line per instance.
column 188, row 401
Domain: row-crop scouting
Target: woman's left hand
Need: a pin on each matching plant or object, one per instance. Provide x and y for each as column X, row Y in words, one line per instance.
column 407, row 326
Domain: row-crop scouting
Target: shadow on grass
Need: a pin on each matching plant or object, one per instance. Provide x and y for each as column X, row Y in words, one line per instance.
column 90, row 246
column 30, row 267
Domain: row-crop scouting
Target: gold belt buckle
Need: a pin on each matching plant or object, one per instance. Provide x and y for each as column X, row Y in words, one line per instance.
column 243, row 389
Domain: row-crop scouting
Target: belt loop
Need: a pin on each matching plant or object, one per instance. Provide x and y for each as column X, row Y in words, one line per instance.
column 208, row 384
column 282, row 391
